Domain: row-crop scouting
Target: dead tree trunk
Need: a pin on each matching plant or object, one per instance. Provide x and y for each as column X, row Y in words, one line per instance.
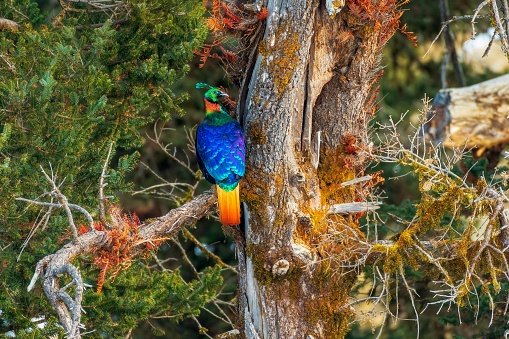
column 305, row 110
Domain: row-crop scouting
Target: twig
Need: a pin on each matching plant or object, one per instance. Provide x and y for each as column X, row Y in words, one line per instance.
column 444, row 26
column 356, row 181
column 63, row 202
column 157, row 140
column 39, row 222
column 476, row 15
column 500, row 28
column 102, row 184
column 78, row 208
column 206, row 251
column 449, row 43
column 411, row 291
column 185, row 257
column 493, row 36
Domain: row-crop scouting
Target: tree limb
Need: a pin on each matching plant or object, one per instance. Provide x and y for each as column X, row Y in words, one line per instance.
column 354, row 207
column 473, row 116
column 54, row 265
column 8, row 25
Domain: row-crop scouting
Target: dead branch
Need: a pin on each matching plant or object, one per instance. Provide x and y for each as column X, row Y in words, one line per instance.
column 62, row 199
column 54, row 265
column 8, row 25
column 102, row 185
column 354, row 207
column 484, row 237
column 78, row 208
column 207, row 252
column 450, row 47
column 473, row 116
column 501, row 215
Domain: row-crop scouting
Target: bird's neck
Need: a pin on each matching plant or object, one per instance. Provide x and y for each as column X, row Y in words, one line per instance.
column 217, row 118
column 211, row 107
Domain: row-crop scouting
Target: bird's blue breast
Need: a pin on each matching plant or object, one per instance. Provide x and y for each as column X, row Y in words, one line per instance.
column 222, row 151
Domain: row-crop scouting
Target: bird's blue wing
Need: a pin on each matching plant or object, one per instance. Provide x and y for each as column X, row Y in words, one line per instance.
column 201, row 165
column 222, row 151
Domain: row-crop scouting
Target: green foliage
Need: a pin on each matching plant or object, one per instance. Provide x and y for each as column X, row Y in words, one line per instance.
column 125, row 302
column 68, row 89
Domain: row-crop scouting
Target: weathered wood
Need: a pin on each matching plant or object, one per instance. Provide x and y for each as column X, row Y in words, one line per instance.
column 474, row 116
column 353, row 207
column 8, row 25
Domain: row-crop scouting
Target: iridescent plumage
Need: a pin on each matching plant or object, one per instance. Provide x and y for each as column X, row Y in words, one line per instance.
column 221, row 153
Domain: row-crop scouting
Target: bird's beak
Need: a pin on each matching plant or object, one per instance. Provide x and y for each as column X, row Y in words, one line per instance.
column 223, row 98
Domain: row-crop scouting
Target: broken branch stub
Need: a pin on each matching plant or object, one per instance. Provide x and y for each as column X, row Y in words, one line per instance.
column 473, row 117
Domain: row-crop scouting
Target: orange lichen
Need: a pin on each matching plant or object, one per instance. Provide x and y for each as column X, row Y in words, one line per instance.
column 117, row 255
column 384, row 16
column 349, row 142
column 82, row 229
column 228, row 19
column 263, row 14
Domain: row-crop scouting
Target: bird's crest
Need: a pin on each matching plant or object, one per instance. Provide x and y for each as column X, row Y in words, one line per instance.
column 213, row 94
column 201, row 85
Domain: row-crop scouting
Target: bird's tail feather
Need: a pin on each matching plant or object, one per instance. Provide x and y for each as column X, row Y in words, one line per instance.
column 229, row 206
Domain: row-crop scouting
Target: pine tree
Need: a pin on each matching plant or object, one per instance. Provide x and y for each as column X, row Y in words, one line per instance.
column 71, row 86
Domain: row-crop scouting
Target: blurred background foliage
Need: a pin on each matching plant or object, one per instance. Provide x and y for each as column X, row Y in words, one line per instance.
column 113, row 83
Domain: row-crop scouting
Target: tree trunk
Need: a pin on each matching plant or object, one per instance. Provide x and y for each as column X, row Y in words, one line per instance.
column 305, row 110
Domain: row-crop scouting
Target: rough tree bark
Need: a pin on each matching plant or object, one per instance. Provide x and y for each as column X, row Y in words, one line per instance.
column 305, row 110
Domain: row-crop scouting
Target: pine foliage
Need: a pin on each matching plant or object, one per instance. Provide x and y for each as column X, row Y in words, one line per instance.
column 70, row 86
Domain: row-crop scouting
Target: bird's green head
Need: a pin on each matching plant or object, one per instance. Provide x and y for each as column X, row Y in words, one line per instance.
column 213, row 94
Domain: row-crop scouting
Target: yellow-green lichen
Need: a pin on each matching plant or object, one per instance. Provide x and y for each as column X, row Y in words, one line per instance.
column 328, row 309
column 257, row 133
column 261, row 259
column 255, row 191
column 281, row 56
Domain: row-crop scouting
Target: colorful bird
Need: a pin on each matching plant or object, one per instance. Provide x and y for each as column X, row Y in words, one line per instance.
column 221, row 153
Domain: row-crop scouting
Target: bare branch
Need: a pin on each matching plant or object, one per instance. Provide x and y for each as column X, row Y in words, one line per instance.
column 354, row 207
column 476, row 15
column 63, row 201
column 9, row 25
column 102, row 184
column 356, row 180
column 445, row 25
column 78, row 208
column 207, row 252
column 449, row 43
column 54, row 265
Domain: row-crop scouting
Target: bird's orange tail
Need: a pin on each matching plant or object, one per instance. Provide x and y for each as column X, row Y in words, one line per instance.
column 229, row 206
